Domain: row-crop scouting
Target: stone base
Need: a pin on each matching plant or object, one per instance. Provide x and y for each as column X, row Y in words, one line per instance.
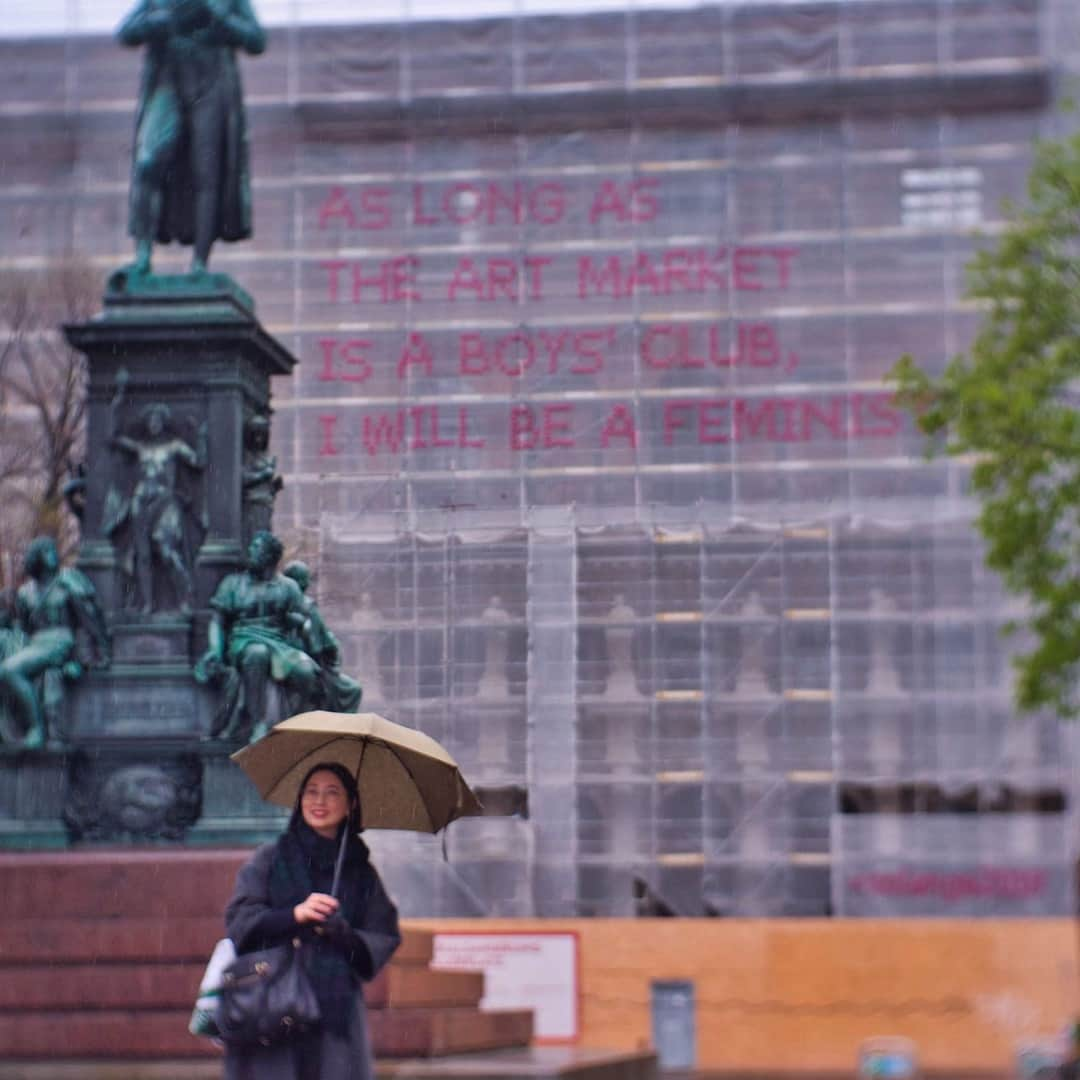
column 138, row 700
column 177, row 297
column 134, row 793
column 32, row 790
column 233, row 813
column 154, row 916
column 537, row 1063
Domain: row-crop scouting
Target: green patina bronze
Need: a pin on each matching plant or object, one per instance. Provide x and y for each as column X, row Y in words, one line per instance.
column 178, row 588
column 253, row 639
column 190, row 180
column 338, row 692
column 41, row 643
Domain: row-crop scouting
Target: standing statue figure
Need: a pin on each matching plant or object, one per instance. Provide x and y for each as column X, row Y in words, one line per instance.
column 260, row 479
column 156, row 510
column 338, row 692
column 50, row 608
column 189, row 179
column 256, row 615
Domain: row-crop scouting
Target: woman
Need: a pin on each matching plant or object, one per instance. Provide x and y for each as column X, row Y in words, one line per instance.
column 284, row 890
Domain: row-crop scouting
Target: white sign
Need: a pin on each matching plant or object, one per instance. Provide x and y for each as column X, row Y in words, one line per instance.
column 522, row 970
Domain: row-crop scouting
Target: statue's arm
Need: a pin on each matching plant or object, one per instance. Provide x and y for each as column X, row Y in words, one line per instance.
column 260, row 473
column 121, row 442
column 94, row 621
column 88, row 613
column 210, row 666
column 215, row 637
column 194, row 458
column 144, row 24
column 23, row 615
column 237, row 25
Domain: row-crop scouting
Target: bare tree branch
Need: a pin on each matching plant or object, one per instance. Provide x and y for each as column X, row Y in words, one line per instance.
column 42, row 403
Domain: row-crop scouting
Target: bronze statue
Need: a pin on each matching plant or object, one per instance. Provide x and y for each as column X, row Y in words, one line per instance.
column 12, row 639
column 155, row 512
column 189, row 179
column 74, row 490
column 256, row 615
column 260, row 479
column 338, row 692
column 50, row 608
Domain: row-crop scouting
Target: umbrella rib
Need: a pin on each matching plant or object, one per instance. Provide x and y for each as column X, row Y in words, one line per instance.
column 304, row 757
column 423, row 803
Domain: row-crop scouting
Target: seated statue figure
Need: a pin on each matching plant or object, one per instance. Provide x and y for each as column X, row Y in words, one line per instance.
column 11, row 640
column 50, row 608
column 256, row 615
column 338, row 692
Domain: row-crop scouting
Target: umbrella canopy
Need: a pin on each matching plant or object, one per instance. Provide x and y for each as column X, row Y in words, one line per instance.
column 406, row 779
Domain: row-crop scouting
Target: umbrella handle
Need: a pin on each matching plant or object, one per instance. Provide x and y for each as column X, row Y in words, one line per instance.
column 339, row 862
column 349, row 825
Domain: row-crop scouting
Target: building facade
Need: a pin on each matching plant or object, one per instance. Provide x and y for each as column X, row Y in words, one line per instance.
column 591, row 439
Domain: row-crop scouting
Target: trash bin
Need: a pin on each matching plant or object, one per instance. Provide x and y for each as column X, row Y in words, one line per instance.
column 674, row 1024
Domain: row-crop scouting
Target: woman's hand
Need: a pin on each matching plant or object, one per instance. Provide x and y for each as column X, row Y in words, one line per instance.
column 338, row 932
column 315, row 909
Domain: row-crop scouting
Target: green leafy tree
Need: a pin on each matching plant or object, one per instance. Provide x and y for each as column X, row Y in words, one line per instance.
column 1011, row 402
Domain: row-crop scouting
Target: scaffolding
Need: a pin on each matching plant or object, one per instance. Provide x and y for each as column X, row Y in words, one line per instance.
column 592, row 424
column 686, row 716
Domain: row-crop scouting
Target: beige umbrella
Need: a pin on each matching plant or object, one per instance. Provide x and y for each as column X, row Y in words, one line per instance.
column 406, row 779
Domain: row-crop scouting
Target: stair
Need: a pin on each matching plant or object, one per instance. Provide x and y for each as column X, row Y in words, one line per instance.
column 101, row 953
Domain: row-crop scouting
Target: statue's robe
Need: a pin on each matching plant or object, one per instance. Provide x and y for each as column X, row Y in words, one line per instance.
column 197, row 66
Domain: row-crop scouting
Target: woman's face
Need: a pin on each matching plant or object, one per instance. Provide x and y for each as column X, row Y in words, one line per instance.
column 324, row 803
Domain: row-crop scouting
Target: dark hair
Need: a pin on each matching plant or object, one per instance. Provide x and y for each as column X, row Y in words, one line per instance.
column 348, row 782
column 273, row 545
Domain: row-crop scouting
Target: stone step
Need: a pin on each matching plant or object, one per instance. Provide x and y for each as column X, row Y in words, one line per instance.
column 137, row 987
column 59, row 941
column 130, row 904
column 106, row 1033
column 417, row 946
column 140, row 937
column 407, row 985
column 109, row 985
column 112, row 970
column 162, row 1033
column 108, row 883
column 398, row 1033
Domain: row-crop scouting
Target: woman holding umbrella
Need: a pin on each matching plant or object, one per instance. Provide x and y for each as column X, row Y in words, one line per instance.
column 287, row 889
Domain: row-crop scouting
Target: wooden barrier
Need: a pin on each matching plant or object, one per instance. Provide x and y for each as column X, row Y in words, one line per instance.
column 802, row 994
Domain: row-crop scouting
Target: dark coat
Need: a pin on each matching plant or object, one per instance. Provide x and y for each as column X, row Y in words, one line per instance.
column 254, row 921
column 161, row 66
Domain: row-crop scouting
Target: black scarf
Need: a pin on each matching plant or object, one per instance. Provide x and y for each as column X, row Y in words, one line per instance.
column 303, row 864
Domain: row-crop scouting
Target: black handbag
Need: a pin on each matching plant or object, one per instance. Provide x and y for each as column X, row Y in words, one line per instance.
column 267, row 997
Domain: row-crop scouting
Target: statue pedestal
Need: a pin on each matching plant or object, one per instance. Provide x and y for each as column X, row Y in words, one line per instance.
column 233, row 814
column 178, row 479
column 32, row 789
column 192, row 351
